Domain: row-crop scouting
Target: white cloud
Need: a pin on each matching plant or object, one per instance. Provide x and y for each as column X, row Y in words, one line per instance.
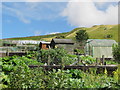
column 15, row 12
column 59, row 0
column 33, row 10
column 37, row 32
column 54, row 32
column 77, row 12
column 34, row 0
column 86, row 14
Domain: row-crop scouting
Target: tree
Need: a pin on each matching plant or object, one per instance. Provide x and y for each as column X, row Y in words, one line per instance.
column 82, row 36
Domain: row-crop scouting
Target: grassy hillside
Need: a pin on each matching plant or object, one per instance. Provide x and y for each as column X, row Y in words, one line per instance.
column 95, row 32
column 99, row 32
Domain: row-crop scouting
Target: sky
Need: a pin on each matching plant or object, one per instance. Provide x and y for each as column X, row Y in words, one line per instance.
column 35, row 17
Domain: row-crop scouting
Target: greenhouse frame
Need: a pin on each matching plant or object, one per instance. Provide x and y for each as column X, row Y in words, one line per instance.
column 99, row 47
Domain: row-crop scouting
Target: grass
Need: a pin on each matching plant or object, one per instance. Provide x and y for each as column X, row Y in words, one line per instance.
column 100, row 32
column 95, row 32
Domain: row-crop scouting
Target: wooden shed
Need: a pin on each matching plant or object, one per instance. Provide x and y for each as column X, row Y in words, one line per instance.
column 44, row 45
column 67, row 44
column 99, row 47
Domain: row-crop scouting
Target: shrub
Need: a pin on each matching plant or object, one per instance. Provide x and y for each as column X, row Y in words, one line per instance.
column 60, row 37
column 37, row 78
column 88, row 60
column 108, row 36
column 116, row 52
column 56, row 56
column 79, row 51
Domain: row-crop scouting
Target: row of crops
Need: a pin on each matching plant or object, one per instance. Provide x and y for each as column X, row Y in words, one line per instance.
column 17, row 74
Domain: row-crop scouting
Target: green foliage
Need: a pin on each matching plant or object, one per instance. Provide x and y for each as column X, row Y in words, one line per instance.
column 10, row 63
column 79, row 51
column 116, row 52
column 13, row 64
column 32, row 54
column 3, row 80
column 108, row 36
column 60, row 37
column 81, row 36
column 90, row 80
column 26, row 79
column 117, row 75
column 17, row 74
column 87, row 60
column 111, row 62
column 56, row 56
column 37, row 78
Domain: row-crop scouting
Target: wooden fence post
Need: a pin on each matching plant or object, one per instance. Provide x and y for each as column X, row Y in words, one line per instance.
column 97, row 61
column 62, row 65
column 103, row 59
column 7, row 53
column 48, row 60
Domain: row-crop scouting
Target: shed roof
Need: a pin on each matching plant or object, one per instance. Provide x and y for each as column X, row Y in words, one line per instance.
column 45, row 42
column 101, row 42
column 6, row 42
column 65, row 41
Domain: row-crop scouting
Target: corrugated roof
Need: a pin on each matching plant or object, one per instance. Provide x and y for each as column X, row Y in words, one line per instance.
column 70, row 41
column 101, row 42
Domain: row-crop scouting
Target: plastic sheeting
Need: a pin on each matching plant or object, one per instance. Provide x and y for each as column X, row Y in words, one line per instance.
column 99, row 47
column 99, row 51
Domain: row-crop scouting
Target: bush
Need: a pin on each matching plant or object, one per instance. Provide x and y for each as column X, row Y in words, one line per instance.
column 37, row 78
column 21, row 76
column 79, row 51
column 116, row 52
column 60, row 37
column 88, row 60
column 56, row 56
column 108, row 36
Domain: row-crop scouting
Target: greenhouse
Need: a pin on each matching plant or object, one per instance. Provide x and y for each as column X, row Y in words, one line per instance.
column 99, row 47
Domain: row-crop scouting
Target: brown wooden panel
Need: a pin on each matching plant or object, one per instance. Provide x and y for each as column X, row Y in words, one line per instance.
column 2, row 54
column 44, row 46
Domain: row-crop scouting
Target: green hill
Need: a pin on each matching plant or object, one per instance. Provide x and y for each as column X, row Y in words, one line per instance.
column 95, row 32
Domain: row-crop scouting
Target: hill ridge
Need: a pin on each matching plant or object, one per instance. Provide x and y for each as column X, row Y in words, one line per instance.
column 94, row 32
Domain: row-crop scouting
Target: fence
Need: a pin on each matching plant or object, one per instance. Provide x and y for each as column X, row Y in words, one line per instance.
column 100, row 68
column 19, row 53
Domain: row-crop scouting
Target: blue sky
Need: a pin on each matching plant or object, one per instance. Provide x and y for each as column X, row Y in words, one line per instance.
column 21, row 19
